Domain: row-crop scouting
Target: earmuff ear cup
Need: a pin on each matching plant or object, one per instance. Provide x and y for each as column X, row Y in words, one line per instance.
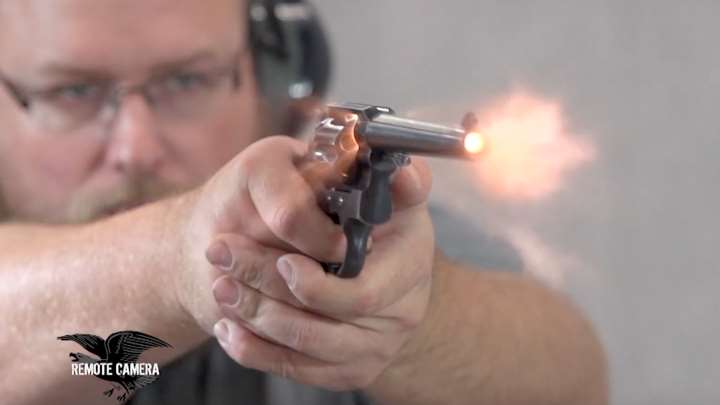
column 316, row 61
column 292, row 60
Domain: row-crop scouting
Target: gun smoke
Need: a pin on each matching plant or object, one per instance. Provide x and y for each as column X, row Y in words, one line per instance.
column 530, row 157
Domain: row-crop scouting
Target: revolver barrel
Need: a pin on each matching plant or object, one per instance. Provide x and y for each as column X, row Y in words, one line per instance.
column 378, row 128
column 394, row 134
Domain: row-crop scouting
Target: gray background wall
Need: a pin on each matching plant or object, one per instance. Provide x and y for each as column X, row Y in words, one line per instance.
column 636, row 232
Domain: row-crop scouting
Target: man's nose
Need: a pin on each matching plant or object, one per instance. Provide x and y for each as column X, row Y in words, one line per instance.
column 136, row 146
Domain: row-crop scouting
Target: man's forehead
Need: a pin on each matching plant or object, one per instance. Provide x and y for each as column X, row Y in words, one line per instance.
column 116, row 34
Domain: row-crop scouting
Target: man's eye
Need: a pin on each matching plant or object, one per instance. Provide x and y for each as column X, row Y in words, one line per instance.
column 187, row 82
column 76, row 92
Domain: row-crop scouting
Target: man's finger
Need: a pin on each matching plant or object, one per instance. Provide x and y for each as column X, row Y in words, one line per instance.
column 389, row 274
column 252, row 264
column 254, row 352
column 411, row 184
column 313, row 335
column 287, row 204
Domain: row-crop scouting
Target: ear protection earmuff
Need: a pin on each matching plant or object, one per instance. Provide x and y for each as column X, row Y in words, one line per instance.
column 292, row 59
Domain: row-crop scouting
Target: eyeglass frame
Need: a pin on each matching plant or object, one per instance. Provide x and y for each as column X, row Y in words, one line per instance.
column 115, row 92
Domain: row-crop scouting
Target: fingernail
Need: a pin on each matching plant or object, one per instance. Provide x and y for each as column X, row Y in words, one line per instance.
column 219, row 255
column 226, row 291
column 222, row 331
column 286, row 271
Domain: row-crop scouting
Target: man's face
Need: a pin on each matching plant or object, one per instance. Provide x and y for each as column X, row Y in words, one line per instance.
column 60, row 164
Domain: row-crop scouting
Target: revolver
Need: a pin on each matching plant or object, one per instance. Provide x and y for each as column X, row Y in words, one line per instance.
column 381, row 142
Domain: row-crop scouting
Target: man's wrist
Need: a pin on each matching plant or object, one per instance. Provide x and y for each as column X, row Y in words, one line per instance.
column 187, row 228
column 161, row 241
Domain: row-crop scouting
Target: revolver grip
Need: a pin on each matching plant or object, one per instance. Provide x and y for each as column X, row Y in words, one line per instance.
column 357, row 234
column 373, row 207
column 376, row 204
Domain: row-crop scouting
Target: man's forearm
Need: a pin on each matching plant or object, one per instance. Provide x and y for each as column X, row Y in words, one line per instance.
column 496, row 338
column 97, row 278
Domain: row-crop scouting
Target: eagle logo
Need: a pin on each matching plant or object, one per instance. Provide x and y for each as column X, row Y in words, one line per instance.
column 119, row 352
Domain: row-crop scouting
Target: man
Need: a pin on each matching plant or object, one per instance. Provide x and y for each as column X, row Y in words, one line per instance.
column 110, row 105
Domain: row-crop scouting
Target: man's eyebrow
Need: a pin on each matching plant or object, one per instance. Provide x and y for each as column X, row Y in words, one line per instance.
column 62, row 69
column 197, row 58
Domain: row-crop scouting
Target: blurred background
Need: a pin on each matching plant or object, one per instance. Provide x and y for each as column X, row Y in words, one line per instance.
column 631, row 231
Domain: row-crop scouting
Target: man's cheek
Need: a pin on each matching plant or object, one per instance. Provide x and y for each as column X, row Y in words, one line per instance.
column 37, row 180
column 57, row 176
column 29, row 198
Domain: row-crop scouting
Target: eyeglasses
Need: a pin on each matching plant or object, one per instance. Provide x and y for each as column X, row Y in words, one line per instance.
column 174, row 97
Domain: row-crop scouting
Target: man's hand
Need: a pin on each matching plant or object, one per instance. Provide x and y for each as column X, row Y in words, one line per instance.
column 265, row 232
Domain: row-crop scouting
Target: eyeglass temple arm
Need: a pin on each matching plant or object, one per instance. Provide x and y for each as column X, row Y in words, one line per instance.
column 16, row 94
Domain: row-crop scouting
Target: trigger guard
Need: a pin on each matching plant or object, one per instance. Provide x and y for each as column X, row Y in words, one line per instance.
column 357, row 234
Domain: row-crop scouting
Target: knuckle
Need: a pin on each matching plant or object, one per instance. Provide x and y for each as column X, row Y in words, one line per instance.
column 248, row 304
column 246, row 161
column 301, row 335
column 273, row 144
column 285, row 221
column 251, row 275
column 262, row 148
column 285, row 368
column 366, row 303
column 411, row 320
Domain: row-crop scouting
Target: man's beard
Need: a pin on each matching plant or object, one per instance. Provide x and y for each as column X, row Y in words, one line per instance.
column 95, row 204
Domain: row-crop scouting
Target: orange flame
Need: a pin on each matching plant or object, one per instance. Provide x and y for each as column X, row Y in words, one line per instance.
column 474, row 143
column 529, row 151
